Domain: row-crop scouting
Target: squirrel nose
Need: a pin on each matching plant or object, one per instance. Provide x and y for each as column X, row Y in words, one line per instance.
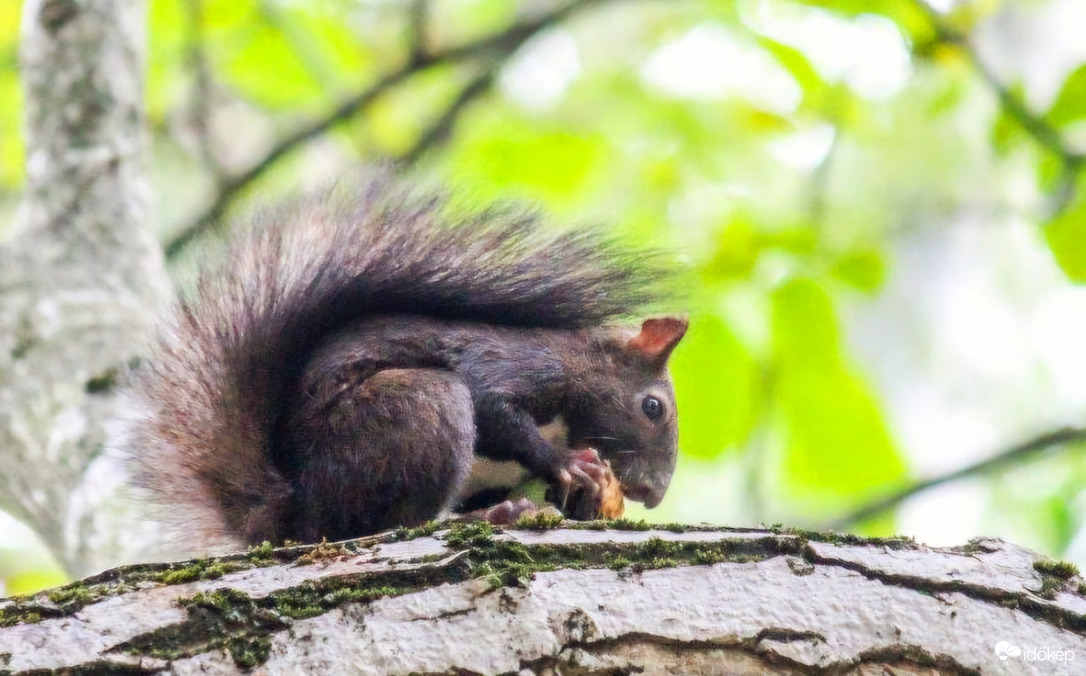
column 647, row 494
column 653, row 498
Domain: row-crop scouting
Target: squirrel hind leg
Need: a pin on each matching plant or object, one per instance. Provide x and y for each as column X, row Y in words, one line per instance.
column 394, row 449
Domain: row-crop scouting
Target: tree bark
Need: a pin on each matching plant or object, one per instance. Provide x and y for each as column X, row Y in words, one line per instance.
column 568, row 601
column 81, row 279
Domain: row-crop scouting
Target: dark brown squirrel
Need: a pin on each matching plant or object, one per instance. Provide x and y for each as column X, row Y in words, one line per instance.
column 360, row 347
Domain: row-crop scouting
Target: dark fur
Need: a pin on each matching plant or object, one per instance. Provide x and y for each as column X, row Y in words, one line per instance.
column 296, row 395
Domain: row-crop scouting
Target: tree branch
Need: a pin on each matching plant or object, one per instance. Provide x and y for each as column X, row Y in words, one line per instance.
column 1012, row 456
column 1047, row 136
column 441, row 128
column 419, row 16
column 566, row 600
column 81, row 278
column 504, row 44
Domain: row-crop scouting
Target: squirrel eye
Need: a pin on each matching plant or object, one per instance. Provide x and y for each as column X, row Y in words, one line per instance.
column 652, row 407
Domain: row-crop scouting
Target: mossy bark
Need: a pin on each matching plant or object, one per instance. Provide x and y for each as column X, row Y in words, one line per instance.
column 579, row 598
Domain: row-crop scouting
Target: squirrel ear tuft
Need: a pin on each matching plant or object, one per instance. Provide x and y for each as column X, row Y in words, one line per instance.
column 658, row 337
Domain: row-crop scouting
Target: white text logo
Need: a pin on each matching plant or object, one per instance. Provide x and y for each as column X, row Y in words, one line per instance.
column 1005, row 650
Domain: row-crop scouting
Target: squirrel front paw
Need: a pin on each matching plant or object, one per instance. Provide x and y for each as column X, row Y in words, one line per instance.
column 586, row 488
column 509, row 512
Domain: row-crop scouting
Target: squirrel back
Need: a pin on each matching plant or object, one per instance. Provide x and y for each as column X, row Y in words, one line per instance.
column 212, row 395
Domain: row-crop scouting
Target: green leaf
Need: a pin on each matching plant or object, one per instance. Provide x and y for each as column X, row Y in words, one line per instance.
column 327, row 47
column 805, row 331
column 1060, row 519
column 715, row 388
column 522, row 158
column 864, row 270
column 799, row 240
column 837, row 442
column 266, row 69
column 948, row 96
column 228, row 15
column 800, row 68
column 1006, row 132
column 742, row 241
column 1070, row 105
column 1066, row 237
column 737, row 250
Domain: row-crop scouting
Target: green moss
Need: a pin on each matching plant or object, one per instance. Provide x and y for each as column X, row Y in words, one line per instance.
column 1061, row 570
column 1054, row 574
column 314, row 598
column 618, row 562
column 509, row 563
column 540, row 520
column 897, row 542
column 200, row 569
column 505, row 562
column 21, row 610
column 261, row 554
column 221, row 600
column 249, row 651
column 179, row 576
column 61, row 601
column 65, row 601
column 425, row 530
column 309, row 599
column 655, row 546
column 217, row 570
column 232, row 620
column 1049, row 587
column 598, row 524
column 972, row 547
column 629, row 524
column 476, row 533
column 707, row 558
column 221, row 619
column 74, row 593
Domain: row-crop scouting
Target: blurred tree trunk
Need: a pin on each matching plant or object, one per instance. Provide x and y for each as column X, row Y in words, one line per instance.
column 567, row 602
column 81, row 278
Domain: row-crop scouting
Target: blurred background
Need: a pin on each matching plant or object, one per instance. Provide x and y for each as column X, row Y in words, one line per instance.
column 882, row 204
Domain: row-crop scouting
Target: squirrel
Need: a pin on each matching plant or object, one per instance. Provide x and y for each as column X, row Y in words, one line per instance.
column 363, row 346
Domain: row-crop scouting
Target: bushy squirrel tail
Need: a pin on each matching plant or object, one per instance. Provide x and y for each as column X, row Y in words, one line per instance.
column 206, row 403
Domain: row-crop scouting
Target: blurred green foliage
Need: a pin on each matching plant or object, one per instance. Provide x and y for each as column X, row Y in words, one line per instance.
column 714, row 127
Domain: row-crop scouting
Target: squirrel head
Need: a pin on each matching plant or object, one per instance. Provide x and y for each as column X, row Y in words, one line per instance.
column 624, row 406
